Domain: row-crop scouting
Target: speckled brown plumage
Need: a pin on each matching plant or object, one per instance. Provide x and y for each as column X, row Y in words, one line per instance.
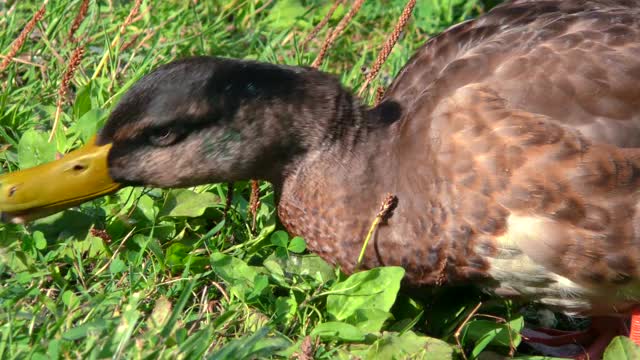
column 512, row 162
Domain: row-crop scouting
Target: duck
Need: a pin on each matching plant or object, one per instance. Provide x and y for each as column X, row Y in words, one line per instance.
column 510, row 142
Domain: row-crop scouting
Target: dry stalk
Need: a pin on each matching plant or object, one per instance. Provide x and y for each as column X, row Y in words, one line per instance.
column 132, row 14
column 261, row 8
column 221, row 289
column 116, row 40
column 80, row 16
column 149, row 34
column 204, row 307
column 323, row 49
column 388, row 45
column 379, row 95
column 24, row 34
column 333, row 35
column 389, row 204
column 458, row 331
column 254, row 203
column 321, row 24
column 501, row 320
column 113, row 256
column 132, row 41
column 73, row 65
column 26, row 62
column 141, row 16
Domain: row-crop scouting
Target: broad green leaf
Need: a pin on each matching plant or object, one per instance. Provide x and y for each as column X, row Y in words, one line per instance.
column 256, row 346
column 69, row 299
column 260, row 284
column 266, row 230
column 24, row 277
column 177, row 254
column 373, row 289
column 89, row 123
column 311, row 266
column 117, row 265
column 392, row 346
column 275, row 269
column 369, row 320
column 285, row 13
column 622, row 348
column 280, row 238
column 337, row 330
column 235, row 272
column 64, row 226
column 39, row 240
column 187, row 203
column 53, row 349
column 147, row 207
column 297, row 245
column 82, row 102
column 35, row 149
column 86, row 329
column 484, row 333
column 39, row 356
column 281, row 252
column 285, row 308
column 164, row 229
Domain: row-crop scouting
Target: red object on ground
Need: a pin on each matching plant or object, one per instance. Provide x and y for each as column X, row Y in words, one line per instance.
column 593, row 340
column 634, row 333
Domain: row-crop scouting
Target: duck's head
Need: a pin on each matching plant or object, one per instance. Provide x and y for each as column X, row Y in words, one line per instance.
column 195, row 121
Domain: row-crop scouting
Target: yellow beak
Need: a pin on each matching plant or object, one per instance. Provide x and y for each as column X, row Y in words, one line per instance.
column 79, row 176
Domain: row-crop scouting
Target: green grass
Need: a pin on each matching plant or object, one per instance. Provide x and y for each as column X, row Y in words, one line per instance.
column 148, row 273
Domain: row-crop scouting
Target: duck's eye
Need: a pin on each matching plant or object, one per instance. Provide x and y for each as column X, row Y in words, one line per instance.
column 163, row 137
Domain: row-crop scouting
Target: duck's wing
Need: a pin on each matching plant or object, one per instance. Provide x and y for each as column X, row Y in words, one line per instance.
column 527, row 121
column 573, row 61
column 553, row 215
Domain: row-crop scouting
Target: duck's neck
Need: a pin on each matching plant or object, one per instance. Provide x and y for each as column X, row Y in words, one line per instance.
column 330, row 122
column 329, row 158
column 331, row 194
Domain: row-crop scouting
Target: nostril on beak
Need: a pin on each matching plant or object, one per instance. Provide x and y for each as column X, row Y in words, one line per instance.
column 79, row 167
column 12, row 191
